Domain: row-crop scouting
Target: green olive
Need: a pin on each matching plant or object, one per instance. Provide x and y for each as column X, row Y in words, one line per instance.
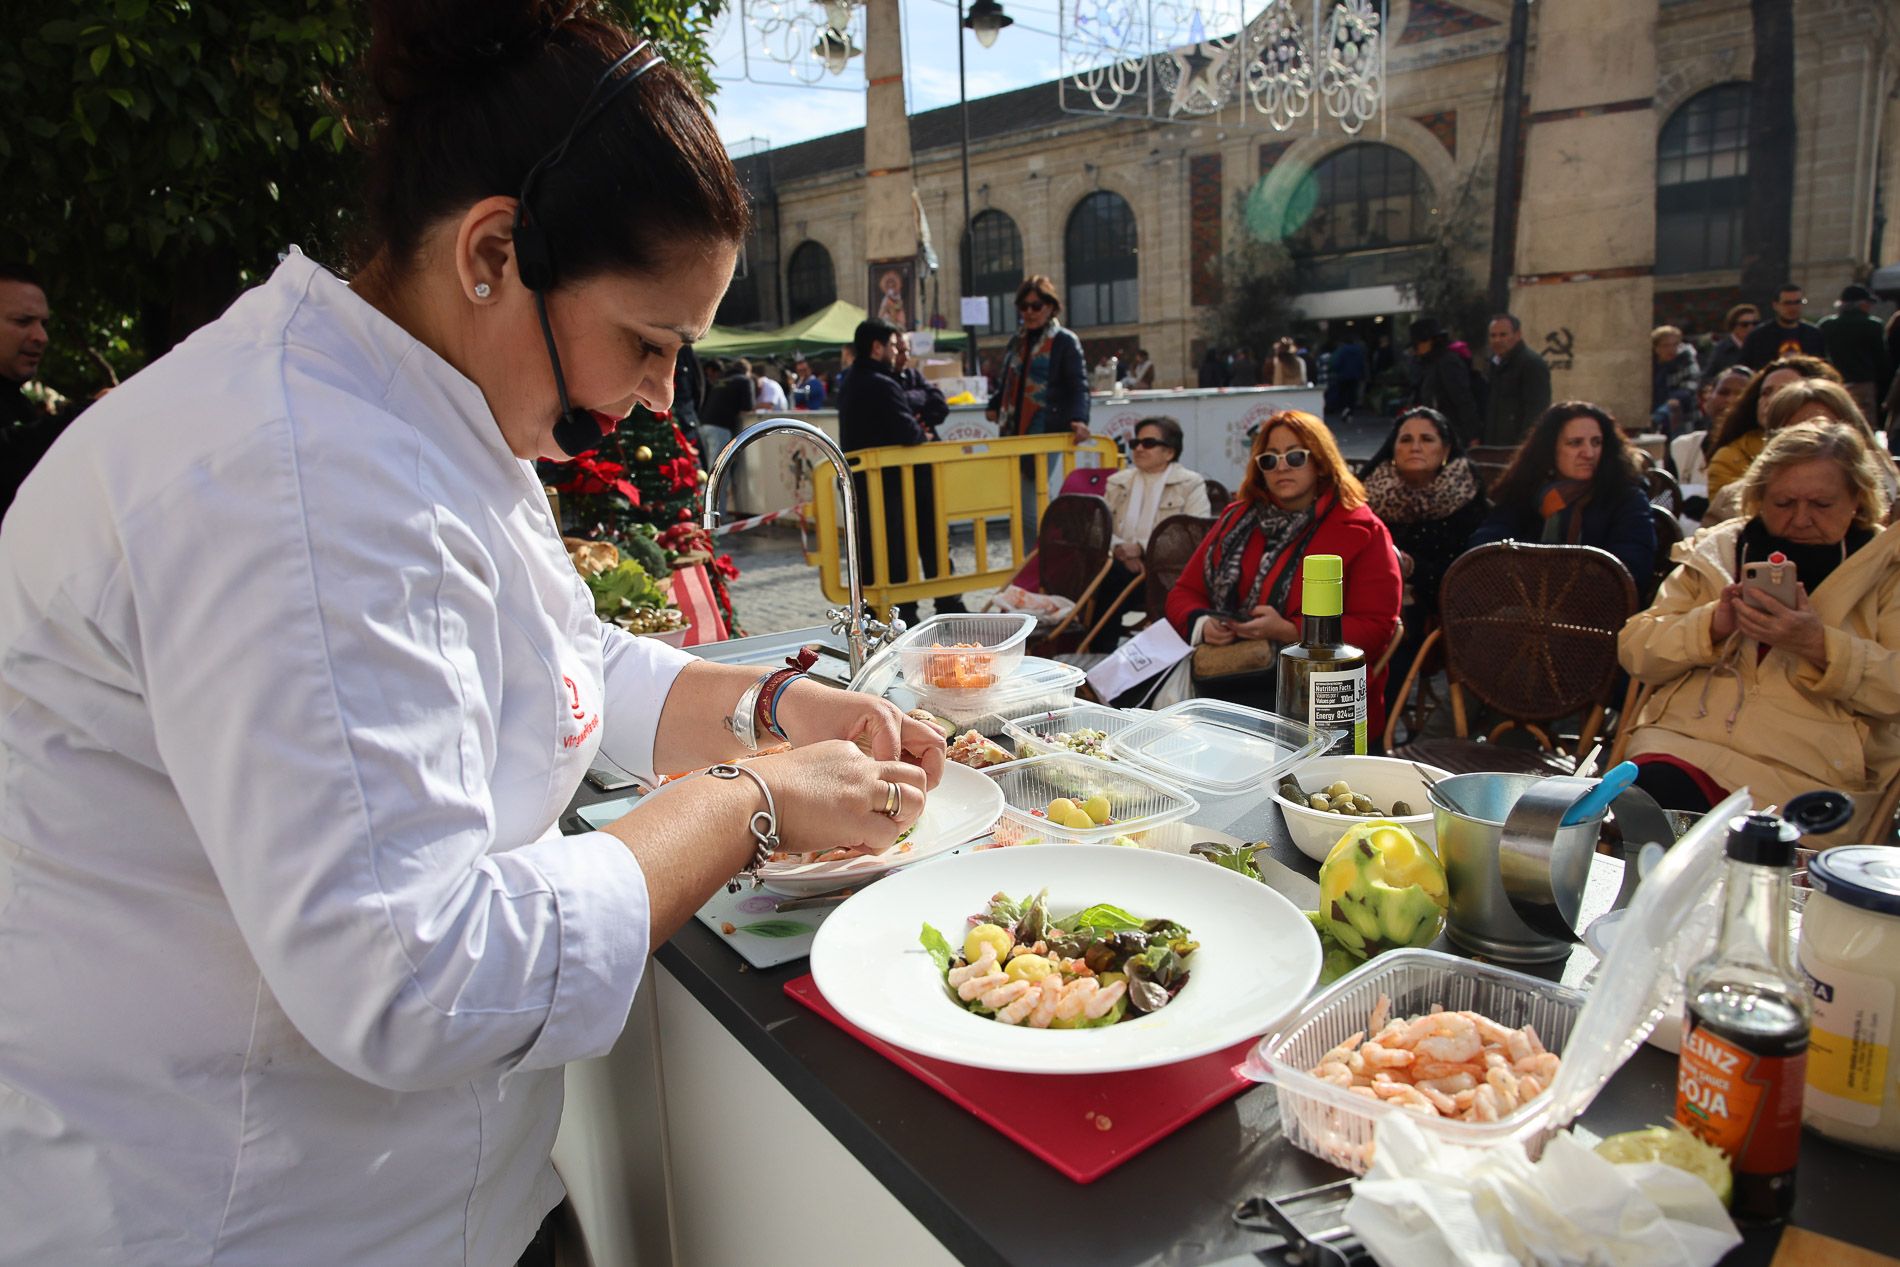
column 1339, row 789
column 1319, row 801
column 1363, row 804
column 1401, row 809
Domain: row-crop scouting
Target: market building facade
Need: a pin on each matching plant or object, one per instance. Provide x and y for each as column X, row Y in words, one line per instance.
column 1132, row 218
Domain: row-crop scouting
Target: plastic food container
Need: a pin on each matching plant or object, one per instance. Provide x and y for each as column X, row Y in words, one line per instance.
column 1038, row 685
column 1145, row 810
column 1333, row 1123
column 1032, row 736
column 959, row 651
column 1655, row 944
column 1384, row 779
column 1228, row 757
column 1850, row 949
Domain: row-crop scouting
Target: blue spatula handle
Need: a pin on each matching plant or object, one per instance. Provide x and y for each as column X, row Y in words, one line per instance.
column 1598, row 798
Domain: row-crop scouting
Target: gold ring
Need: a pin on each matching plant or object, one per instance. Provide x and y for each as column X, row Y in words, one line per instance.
column 891, row 803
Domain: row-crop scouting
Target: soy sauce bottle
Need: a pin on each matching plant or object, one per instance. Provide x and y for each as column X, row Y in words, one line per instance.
column 1743, row 1066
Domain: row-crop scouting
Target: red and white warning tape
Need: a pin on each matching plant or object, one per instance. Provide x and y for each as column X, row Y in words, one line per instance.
column 741, row 525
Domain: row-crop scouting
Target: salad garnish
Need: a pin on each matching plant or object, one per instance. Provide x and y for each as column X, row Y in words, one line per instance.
column 1023, row 966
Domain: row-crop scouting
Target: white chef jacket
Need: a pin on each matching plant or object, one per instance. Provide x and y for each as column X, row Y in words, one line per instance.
column 295, row 680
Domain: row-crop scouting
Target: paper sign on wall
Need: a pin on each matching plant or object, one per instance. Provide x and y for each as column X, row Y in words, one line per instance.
column 976, row 310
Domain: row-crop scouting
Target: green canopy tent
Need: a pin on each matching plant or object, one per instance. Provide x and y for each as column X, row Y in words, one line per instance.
column 826, row 330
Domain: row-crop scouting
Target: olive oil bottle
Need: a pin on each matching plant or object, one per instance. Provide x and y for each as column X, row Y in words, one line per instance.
column 1322, row 677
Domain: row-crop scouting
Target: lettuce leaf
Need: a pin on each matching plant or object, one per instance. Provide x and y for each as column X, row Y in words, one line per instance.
column 942, row 955
column 1102, row 916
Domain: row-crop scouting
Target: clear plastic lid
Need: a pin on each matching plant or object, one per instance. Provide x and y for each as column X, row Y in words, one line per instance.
column 1656, row 943
column 984, row 645
column 1033, row 680
column 1213, row 748
column 1137, row 803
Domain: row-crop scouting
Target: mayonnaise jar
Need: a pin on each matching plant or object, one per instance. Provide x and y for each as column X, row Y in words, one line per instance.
column 1850, row 954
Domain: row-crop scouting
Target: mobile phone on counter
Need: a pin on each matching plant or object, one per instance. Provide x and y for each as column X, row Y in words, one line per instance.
column 1773, row 575
column 610, row 778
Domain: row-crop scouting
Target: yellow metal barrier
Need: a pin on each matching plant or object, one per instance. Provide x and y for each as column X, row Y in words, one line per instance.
column 978, row 481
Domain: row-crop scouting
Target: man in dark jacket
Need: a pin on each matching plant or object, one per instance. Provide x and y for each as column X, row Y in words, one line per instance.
column 1786, row 335
column 928, row 404
column 1519, row 381
column 1740, row 322
column 1440, row 379
column 27, row 429
column 874, row 412
column 1857, row 347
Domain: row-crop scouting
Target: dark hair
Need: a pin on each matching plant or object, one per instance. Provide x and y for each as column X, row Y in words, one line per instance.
column 1735, row 314
column 1511, row 317
column 14, row 271
column 869, row 332
column 475, row 92
column 1745, row 414
column 1785, row 287
column 1038, row 284
column 1536, row 461
column 1170, row 432
column 1454, row 447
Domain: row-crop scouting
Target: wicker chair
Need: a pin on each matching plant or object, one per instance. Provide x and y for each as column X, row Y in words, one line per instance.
column 1663, row 490
column 1072, row 556
column 1170, row 546
column 1217, row 496
column 1490, row 461
column 1530, row 631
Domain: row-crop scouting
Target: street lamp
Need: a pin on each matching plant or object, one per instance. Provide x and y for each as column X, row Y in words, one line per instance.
column 837, row 14
column 835, row 50
column 987, row 20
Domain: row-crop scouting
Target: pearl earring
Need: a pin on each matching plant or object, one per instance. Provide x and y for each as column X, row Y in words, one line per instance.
column 481, row 290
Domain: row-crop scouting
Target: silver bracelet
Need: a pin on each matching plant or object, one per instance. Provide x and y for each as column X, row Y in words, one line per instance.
column 764, row 833
column 744, row 722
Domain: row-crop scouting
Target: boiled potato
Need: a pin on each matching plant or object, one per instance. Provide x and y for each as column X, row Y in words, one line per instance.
column 1097, row 808
column 1029, row 968
column 987, row 935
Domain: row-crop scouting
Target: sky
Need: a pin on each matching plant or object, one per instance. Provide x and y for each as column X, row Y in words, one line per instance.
column 752, row 115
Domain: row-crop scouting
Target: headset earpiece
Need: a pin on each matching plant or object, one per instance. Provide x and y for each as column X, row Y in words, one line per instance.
column 534, row 261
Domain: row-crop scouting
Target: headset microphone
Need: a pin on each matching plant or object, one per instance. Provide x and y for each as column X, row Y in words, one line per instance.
column 576, row 430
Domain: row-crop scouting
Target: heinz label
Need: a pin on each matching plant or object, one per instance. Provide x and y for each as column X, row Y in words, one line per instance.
column 1748, row 1106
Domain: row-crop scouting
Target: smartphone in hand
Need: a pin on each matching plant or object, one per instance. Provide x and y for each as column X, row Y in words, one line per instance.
column 1774, row 575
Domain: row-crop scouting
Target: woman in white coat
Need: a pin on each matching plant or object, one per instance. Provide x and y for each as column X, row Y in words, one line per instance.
column 295, row 680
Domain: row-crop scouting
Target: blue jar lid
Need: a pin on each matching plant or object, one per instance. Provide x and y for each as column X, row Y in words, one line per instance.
column 1867, row 876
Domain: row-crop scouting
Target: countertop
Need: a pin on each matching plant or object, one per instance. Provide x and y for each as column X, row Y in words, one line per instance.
column 990, row 1202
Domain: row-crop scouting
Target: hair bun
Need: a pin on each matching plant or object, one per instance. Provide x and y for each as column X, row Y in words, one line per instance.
column 418, row 47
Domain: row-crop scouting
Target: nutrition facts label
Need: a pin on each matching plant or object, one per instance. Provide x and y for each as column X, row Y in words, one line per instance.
column 1339, row 703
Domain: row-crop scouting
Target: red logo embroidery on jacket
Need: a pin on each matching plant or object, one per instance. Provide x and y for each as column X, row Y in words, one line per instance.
column 580, row 714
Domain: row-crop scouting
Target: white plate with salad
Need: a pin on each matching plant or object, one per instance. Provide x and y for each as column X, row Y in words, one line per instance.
column 961, row 808
column 1147, row 959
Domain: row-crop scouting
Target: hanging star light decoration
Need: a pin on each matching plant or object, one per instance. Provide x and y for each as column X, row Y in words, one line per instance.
column 1198, row 67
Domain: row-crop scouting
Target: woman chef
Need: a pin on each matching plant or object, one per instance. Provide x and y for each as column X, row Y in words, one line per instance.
column 295, row 679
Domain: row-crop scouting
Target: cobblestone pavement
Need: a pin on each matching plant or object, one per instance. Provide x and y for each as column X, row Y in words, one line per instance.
column 777, row 590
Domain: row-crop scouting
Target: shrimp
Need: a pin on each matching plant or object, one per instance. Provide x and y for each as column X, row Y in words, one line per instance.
column 1529, row 1088
column 1504, row 1082
column 1339, row 1052
column 976, row 987
column 984, row 965
column 1335, row 1073
column 1493, row 1034
column 1432, row 1070
column 1484, row 1105
column 1100, row 1001
column 1076, row 998
column 1518, row 1044
column 1449, row 1085
column 1005, row 994
column 1406, row 1096
column 1445, row 1105
column 1456, row 1042
column 1047, row 1001
column 1381, row 1011
column 1013, row 1013
column 1378, row 1057
column 1543, row 1066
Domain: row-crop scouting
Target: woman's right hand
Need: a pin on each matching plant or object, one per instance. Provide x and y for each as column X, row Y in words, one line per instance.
column 1216, row 632
column 831, row 795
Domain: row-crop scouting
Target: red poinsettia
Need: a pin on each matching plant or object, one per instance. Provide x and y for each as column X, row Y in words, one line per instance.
column 593, row 474
column 724, row 565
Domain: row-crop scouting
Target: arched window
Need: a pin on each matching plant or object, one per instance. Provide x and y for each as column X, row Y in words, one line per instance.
column 993, row 266
column 1357, row 218
column 810, row 283
column 1100, row 258
column 1701, row 181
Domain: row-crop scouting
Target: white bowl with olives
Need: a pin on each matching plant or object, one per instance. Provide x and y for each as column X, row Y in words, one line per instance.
column 1342, row 791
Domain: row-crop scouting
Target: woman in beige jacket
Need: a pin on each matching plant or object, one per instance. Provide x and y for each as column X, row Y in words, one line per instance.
column 1144, row 494
column 1756, row 693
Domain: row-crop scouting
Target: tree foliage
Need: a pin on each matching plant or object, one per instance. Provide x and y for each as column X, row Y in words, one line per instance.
column 1258, row 282
column 1442, row 285
column 158, row 154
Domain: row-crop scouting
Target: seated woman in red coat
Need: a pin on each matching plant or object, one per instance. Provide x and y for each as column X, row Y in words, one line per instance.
column 1297, row 498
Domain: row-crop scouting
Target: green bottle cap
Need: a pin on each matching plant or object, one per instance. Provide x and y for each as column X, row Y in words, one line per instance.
column 1321, row 594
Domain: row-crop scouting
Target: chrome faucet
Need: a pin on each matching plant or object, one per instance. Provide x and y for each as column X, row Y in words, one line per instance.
column 863, row 633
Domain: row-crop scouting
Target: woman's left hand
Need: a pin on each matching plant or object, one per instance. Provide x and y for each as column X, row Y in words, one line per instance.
column 1796, row 629
column 812, row 712
column 1267, row 623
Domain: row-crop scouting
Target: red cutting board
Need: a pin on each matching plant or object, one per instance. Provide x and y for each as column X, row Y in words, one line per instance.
column 1084, row 1126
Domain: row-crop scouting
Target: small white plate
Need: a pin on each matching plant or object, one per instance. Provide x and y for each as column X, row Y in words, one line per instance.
column 963, row 807
column 1258, row 957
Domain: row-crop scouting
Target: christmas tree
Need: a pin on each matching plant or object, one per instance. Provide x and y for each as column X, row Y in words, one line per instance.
column 642, row 490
